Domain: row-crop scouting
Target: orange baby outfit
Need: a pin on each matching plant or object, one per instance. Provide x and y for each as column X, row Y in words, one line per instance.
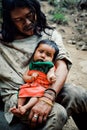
column 38, row 86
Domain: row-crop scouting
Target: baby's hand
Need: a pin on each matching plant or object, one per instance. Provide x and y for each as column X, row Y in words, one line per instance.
column 51, row 75
column 35, row 75
column 51, row 78
column 32, row 77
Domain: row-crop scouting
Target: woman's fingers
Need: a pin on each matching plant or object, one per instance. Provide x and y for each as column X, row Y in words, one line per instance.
column 39, row 112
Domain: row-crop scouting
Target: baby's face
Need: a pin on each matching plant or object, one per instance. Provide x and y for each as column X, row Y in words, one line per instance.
column 44, row 53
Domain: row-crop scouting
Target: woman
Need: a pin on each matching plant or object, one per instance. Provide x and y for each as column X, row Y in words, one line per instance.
column 24, row 25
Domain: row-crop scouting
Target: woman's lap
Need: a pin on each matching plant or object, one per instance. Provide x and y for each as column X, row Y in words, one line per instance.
column 73, row 98
column 14, row 126
column 58, row 114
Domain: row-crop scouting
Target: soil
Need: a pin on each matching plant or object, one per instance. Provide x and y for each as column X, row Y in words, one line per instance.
column 78, row 71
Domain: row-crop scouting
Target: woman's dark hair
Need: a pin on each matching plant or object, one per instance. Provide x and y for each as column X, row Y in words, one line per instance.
column 9, row 30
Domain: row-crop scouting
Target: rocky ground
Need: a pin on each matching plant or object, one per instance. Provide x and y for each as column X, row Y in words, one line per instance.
column 75, row 40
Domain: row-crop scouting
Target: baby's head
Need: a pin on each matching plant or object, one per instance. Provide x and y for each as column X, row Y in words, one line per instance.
column 46, row 50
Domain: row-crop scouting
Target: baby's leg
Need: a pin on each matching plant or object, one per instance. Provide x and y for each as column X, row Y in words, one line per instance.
column 14, row 110
column 21, row 101
column 29, row 104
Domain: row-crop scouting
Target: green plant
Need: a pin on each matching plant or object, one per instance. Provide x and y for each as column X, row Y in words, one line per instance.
column 53, row 2
column 59, row 18
column 69, row 3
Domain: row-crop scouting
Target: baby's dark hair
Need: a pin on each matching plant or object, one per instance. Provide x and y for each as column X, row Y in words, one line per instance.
column 50, row 43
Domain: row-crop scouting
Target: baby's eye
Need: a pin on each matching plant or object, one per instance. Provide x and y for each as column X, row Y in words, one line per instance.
column 48, row 54
column 41, row 51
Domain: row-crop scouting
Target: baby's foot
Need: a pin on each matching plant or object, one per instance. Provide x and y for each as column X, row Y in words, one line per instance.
column 22, row 109
column 12, row 109
column 15, row 111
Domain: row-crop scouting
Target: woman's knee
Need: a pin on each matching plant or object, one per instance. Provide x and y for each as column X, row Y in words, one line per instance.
column 73, row 98
column 57, row 117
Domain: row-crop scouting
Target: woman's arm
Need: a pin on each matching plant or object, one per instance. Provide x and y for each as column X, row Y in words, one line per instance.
column 61, row 75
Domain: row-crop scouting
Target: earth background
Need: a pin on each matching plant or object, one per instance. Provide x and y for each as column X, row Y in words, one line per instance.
column 78, row 71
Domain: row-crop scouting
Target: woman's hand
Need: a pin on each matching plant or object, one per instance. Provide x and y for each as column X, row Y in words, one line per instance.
column 40, row 111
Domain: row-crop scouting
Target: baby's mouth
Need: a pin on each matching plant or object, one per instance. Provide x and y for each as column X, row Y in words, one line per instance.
column 40, row 60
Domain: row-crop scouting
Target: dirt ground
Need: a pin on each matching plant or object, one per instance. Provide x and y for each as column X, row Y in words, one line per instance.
column 78, row 72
